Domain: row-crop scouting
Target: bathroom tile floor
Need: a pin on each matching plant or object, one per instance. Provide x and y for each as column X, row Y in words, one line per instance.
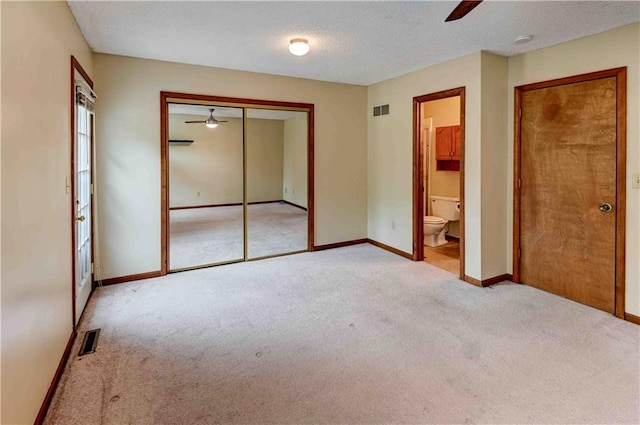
column 446, row 257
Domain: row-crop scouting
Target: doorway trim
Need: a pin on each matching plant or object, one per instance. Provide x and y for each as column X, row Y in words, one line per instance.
column 75, row 66
column 621, row 172
column 418, row 171
column 167, row 97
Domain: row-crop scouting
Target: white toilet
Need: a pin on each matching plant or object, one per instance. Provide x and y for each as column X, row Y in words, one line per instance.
column 435, row 226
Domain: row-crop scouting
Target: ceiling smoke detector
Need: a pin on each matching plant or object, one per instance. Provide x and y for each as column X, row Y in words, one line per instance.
column 521, row 39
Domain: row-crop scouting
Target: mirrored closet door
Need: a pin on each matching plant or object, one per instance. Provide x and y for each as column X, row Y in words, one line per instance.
column 276, row 179
column 206, row 195
column 237, row 180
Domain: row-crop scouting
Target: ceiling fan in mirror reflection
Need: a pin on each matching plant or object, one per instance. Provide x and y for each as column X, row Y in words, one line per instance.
column 210, row 122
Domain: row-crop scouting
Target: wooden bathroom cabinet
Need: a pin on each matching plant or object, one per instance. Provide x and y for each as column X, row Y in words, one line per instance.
column 448, row 148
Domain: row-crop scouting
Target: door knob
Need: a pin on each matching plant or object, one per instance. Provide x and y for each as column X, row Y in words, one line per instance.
column 81, row 218
column 605, row 207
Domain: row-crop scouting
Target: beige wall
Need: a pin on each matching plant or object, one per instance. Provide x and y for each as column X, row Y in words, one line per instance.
column 611, row 49
column 210, row 170
column 495, row 144
column 128, row 143
column 295, row 159
column 37, row 42
column 265, row 155
column 390, row 156
column 444, row 112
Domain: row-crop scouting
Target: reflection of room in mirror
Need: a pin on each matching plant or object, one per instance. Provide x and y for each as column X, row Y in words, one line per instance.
column 202, row 236
column 275, row 228
column 279, row 161
column 207, row 192
column 204, row 176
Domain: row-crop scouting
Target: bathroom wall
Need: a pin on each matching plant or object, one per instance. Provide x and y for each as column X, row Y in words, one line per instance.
column 445, row 112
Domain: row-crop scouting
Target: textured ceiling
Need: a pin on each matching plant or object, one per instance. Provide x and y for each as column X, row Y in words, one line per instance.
column 351, row 42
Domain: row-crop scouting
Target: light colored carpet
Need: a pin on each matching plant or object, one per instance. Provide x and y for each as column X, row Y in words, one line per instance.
column 201, row 236
column 351, row 335
column 275, row 228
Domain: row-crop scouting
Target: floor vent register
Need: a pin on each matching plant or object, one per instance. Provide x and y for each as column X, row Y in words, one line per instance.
column 90, row 342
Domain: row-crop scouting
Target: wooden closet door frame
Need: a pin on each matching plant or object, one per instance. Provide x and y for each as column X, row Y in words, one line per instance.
column 418, row 172
column 167, row 97
column 621, row 170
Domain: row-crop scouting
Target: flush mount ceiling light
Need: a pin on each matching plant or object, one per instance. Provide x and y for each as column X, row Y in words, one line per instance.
column 299, row 46
column 523, row 39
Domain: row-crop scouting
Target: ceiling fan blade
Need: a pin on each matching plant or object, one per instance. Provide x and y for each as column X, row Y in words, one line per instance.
column 195, row 122
column 462, row 9
column 221, row 121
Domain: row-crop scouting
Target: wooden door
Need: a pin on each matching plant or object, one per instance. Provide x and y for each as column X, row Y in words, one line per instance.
column 568, row 142
column 455, row 143
column 443, row 143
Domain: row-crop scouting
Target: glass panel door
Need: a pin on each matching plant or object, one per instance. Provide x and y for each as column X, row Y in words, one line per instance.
column 82, row 200
column 206, row 211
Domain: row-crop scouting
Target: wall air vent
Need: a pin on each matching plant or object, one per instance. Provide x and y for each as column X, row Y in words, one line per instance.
column 381, row 110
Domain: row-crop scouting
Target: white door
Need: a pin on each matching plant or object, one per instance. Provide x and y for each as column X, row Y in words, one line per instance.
column 82, row 201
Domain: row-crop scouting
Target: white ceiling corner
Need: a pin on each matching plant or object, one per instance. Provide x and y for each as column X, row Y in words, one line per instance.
column 356, row 42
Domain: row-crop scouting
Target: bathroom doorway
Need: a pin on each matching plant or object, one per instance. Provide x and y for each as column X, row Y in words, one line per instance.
column 439, row 180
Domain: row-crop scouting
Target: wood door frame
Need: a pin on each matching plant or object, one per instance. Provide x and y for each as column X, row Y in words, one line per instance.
column 418, row 172
column 621, row 164
column 165, row 97
column 75, row 66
